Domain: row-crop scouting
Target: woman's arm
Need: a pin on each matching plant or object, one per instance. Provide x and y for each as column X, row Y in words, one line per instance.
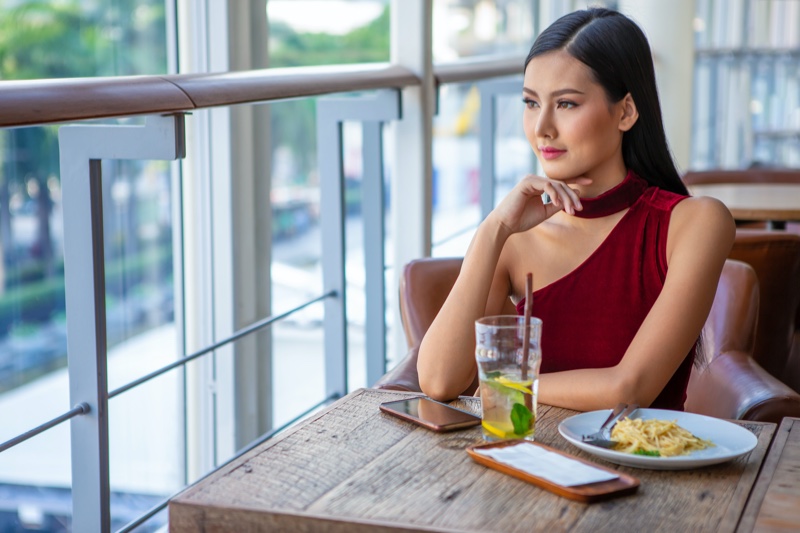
column 699, row 240
column 446, row 363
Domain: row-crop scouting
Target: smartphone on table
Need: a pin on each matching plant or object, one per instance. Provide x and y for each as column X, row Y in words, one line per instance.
column 431, row 414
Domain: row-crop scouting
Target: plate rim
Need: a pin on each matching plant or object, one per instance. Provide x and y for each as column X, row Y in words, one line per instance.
column 660, row 463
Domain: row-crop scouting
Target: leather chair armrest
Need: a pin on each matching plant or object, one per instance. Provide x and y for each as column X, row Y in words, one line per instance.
column 734, row 386
column 402, row 377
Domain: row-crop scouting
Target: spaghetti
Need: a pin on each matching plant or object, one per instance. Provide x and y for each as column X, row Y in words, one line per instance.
column 663, row 438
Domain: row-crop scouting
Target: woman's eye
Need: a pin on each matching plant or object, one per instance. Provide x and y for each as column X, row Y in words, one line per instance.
column 566, row 105
column 530, row 104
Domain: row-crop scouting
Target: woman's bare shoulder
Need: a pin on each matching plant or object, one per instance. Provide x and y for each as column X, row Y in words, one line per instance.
column 699, row 221
column 697, row 210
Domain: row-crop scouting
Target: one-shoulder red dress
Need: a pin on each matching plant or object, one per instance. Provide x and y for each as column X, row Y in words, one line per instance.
column 591, row 315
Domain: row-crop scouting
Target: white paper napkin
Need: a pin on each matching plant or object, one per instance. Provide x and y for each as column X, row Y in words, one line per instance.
column 551, row 466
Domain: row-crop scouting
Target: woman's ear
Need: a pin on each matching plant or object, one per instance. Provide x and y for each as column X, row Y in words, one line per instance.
column 630, row 114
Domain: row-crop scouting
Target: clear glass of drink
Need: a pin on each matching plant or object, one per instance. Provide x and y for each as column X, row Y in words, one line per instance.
column 508, row 387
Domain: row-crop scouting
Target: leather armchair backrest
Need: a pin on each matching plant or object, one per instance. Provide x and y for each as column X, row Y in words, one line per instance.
column 730, row 327
column 424, row 287
column 775, row 257
column 731, row 323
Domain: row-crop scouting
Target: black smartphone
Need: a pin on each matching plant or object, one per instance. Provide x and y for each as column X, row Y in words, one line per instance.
column 431, row 414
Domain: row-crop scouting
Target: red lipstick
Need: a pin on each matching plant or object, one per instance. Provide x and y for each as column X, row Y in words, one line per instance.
column 548, row 152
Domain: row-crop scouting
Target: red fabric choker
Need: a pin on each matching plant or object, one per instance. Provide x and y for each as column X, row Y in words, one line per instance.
column 614, row 200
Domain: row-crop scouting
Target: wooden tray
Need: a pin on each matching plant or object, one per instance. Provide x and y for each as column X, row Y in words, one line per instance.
column 590, row 492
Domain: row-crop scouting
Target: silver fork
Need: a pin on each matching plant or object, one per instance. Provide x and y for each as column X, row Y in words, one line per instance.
column 602, row 437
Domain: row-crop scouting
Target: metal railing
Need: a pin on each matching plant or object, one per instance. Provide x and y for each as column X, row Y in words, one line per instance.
column 163, row 504
column 164, row 99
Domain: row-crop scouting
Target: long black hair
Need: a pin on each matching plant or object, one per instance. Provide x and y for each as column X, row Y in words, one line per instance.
column 617, row 52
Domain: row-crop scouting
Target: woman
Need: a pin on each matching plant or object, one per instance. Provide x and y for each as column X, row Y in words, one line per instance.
column 625, row 264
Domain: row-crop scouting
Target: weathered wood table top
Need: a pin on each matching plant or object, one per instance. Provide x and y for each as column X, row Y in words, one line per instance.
column 775, row 502
column 353, row 468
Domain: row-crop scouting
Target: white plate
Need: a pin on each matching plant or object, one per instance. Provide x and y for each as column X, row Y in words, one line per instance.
column 730, row 440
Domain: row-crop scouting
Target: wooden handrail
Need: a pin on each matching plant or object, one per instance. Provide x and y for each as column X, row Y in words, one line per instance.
column 32, row 102
column 229, row 88
column 479, row 68
column 27, row 103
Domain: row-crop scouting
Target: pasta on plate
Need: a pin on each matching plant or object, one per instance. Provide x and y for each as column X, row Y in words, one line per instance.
column 662, row 438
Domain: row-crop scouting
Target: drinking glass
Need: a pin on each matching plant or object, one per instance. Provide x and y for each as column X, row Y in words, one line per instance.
column 508, row 387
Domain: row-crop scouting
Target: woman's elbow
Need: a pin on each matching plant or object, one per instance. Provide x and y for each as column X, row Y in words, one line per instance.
column 630, row 390
column 438, row 380
column 437, row 389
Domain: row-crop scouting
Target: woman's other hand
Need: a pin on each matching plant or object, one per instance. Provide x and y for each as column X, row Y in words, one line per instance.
column 523, row 208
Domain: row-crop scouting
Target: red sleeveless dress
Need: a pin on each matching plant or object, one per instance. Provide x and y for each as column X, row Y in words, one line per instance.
column 591, row 315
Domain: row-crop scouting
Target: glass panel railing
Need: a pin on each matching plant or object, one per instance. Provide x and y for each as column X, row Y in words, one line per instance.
column 141, row 297
column 457, row 159
column 514, row 156
column 297, row 253
column 35, row 476
column 298, row 358
column 142, row 336
column 456, row 169
column 102, row 38
column 32, row 325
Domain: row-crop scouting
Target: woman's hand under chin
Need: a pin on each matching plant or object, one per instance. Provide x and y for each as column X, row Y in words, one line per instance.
column 523, row 208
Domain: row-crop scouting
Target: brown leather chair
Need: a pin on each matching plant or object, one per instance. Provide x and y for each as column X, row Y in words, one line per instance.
column 424, row 286
column 775, row 257
column 730, row 385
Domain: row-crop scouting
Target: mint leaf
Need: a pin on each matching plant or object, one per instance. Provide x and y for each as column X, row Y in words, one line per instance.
column 521, row 418
column 493, row 375
column 653, row 453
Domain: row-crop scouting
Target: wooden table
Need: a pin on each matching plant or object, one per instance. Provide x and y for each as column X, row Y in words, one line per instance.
column 772, row 202
column 775, row 502
column 352, row 468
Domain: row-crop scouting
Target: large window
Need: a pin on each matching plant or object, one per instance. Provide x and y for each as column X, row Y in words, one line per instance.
column 157, row 430
column 466, row 28
column 79, row 39
column 325, row 32
column 307, row 33
column 456, row 161
column 747, row 84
